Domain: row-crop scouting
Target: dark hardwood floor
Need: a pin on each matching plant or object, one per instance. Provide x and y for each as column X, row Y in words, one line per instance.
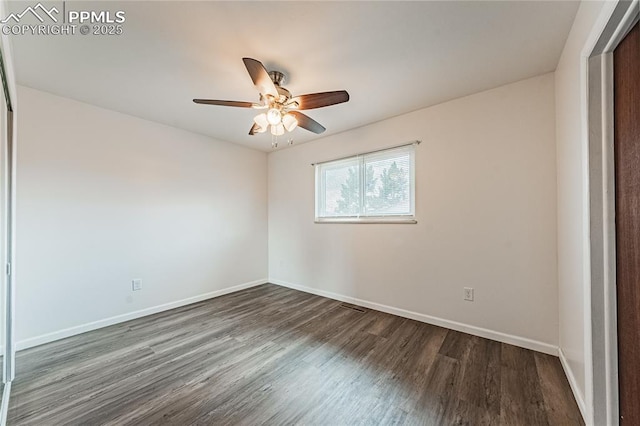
column 270, row 355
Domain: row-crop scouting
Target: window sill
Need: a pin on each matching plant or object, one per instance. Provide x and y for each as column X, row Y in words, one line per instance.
column 372, row 220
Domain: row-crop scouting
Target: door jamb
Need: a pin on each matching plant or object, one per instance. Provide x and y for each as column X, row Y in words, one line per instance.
column 601, row 183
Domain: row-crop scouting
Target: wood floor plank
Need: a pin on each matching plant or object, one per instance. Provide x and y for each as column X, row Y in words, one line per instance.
column 271, row 355
column 522, row 402
column 438, row 397
column 560, row 403
column 482, row 376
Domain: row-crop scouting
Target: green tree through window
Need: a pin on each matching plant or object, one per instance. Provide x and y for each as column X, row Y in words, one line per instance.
column 394, row 187
column 391, row 191
column 350, row 194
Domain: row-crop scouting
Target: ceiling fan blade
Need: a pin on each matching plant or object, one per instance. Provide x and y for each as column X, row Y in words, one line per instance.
column 260, row 77
column 238, row 104
column 253, row 130
column 307, row 122
column 319, row 100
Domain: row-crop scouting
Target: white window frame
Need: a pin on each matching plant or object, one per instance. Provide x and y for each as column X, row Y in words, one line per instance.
column 358, row 218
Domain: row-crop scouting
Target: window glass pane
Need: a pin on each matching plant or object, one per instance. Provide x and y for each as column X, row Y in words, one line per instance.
column 378, row 184
column 388, row 184
column 340, row 190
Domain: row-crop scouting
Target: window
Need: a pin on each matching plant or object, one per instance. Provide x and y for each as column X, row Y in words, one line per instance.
column 374, row 187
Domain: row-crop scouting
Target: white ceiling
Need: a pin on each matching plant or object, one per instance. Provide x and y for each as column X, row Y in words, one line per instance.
column 392, row 57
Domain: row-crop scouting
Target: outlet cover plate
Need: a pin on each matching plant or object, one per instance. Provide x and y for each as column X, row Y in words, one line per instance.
column 468, row 294
column 136, row 284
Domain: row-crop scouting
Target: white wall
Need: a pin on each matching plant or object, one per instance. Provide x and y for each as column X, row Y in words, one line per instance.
column 573, row 268
column 105, row 197
column 486, row 211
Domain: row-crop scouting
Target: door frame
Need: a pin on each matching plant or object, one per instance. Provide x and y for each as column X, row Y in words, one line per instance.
column 602, row 369
column 9, row 144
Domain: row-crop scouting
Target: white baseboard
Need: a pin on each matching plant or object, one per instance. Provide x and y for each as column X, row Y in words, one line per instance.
column 83, row 328
column 453, row 325
column 573, row 384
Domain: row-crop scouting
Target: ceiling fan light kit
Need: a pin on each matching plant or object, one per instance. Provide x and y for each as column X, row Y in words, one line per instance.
column 283, row 110
column 289, row 122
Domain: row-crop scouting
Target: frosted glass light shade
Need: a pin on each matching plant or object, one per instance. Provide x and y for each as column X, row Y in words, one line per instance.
column 274, row 117
column 289, row 122
column 261, row 120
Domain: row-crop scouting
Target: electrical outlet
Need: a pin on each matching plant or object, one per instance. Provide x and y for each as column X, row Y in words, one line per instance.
column 468, row 294
column 136, row 284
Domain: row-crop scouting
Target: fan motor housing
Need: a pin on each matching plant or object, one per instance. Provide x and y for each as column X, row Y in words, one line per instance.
column 283, row 92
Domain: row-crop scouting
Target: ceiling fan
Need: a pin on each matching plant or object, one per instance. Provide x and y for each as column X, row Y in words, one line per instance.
column 282, row 109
